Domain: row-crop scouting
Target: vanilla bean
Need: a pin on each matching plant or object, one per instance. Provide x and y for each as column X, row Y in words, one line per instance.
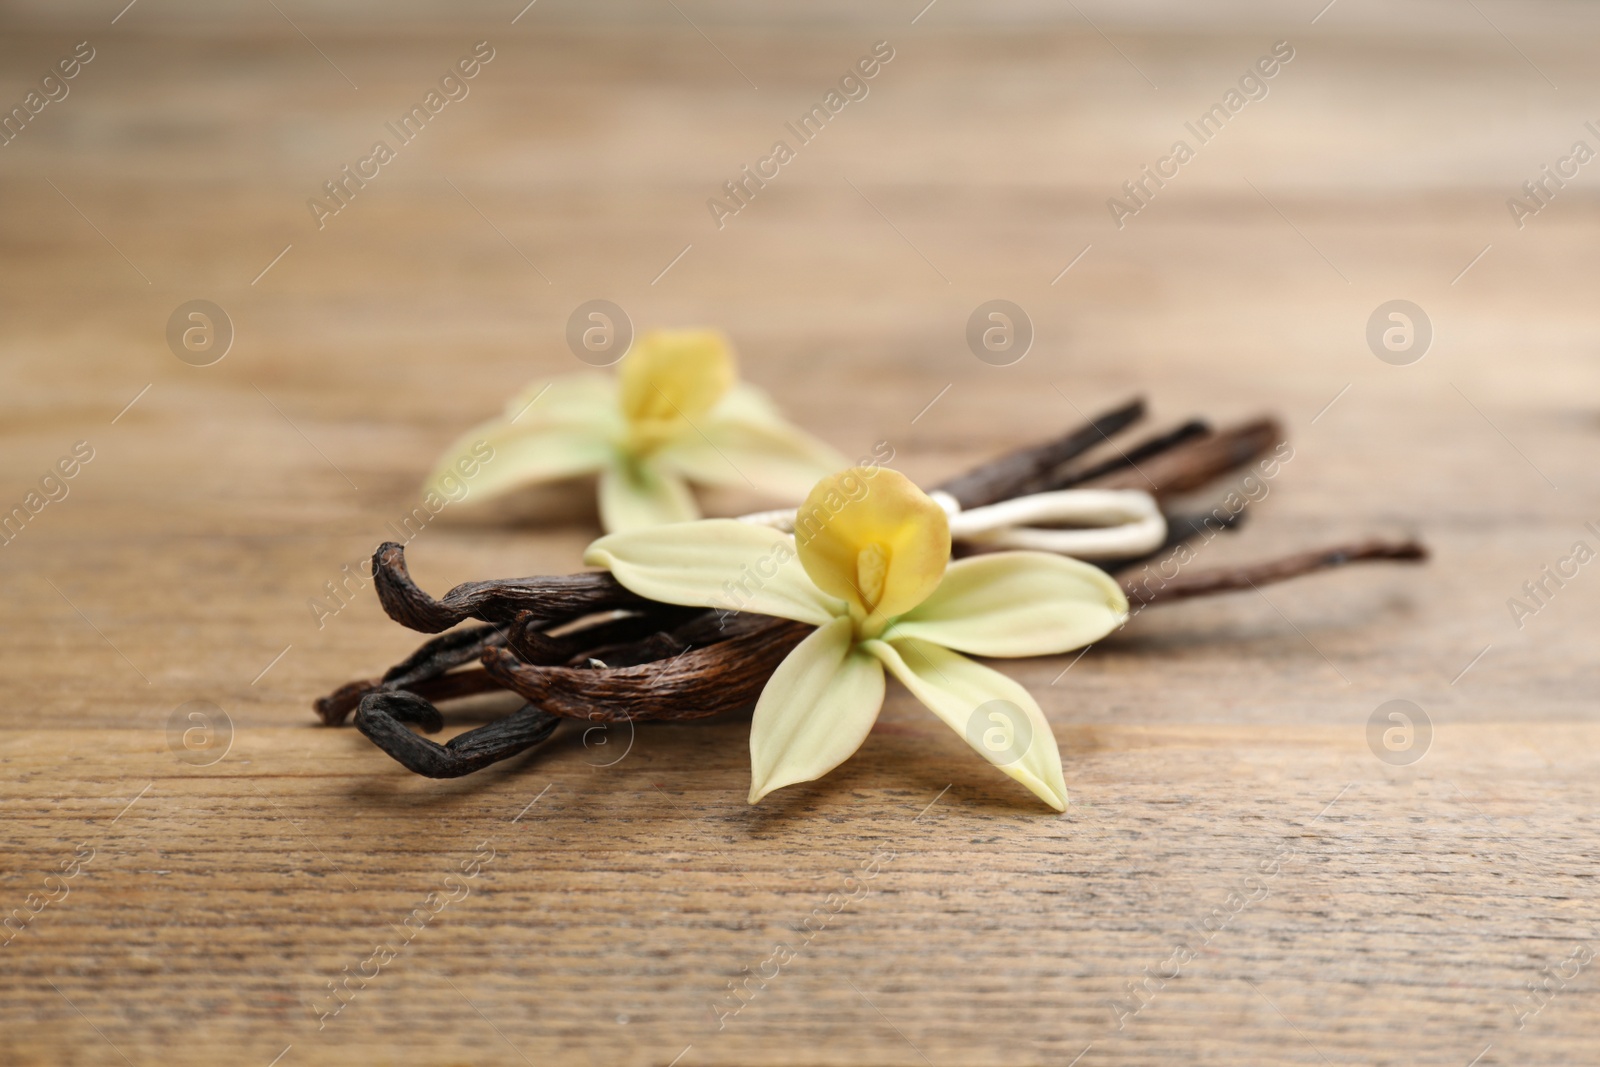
column 1216, row 580
column 1181, row 529
column 337, row 705
column 334, row 708
column 433, row 658
column 526, row 636
column 707, row 628
column 424, row 672
column 553, row 600
column 430, row 670
column 1013, row 474
column 383, row 718
column 696, row 683
column 1193, row 464
column 1065, row 477
column 657, row 646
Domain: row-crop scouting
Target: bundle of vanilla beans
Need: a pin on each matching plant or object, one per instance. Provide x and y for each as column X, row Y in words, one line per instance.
column 582, row 647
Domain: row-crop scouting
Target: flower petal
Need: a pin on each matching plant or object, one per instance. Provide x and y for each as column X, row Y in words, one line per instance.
column 716, row 563
column 672, row 376
column 748, row 443
column 505, row 456
column 815, row 711
column 1017, row 604
column 996, row 716
column 572, row 399
column 636, row 496
column 550, row 431
column 749, row 404
column 869, row 536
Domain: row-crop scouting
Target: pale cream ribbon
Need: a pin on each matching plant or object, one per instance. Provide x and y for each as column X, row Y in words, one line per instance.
column 1100, row 523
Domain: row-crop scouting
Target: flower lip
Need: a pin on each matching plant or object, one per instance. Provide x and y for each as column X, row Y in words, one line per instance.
column 673, row 377
column 872, row 570
column 871, row 538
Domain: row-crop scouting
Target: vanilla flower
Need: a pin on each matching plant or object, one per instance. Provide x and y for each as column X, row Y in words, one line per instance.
column 869, row 567
column 675, row 414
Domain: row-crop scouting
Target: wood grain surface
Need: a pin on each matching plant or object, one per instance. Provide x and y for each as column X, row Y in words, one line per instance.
column 1241, row 879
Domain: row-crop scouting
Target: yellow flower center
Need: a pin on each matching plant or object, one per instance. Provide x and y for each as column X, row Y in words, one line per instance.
column 871, row 538
column 671, row 380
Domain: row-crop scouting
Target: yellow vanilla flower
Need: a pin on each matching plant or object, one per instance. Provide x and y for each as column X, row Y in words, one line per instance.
column 676, row 413
column 869, row 567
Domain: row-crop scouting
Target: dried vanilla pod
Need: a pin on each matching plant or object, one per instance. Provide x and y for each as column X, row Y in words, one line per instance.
column 696, row 682
column 554, row 599
column 1028, row 470
column 383, row 717
column 584, row 647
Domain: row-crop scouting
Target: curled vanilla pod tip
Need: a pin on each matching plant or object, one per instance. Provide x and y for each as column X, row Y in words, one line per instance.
column 383, row 719
column 552, row 599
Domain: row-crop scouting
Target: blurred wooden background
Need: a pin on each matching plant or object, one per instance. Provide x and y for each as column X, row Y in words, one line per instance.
column 1409, row 909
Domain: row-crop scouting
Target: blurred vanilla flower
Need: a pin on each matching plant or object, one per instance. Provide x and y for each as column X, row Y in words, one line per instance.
column 874, row 576
column 675, row 414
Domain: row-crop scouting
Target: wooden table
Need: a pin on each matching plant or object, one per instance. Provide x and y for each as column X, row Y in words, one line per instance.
column 1240, row 879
